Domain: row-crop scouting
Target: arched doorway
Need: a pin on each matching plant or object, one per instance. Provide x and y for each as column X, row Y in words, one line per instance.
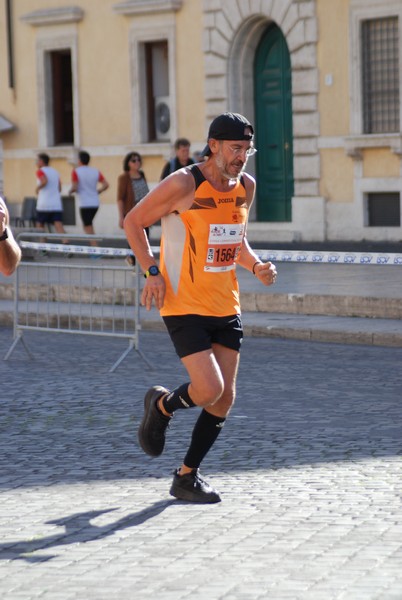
column 273, row 119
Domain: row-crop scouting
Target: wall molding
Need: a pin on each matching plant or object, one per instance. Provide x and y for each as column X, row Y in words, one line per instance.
column 145, row 7
column 54, row 16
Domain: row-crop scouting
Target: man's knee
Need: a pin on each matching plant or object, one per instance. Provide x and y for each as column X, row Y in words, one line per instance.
column 208, row 393
column 225, row 402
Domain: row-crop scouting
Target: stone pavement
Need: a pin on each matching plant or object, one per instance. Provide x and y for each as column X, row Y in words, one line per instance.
column 309, row 467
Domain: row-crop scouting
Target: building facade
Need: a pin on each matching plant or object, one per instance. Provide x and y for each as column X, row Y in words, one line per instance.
column 319, row 79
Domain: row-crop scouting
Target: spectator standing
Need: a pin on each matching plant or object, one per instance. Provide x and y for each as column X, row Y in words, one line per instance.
column 181, row 158
column 49, row 207
column 84, row 182
column 131, row 185
column 10, row 252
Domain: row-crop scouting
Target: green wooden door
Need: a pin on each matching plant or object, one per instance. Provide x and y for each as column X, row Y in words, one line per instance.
column 273, row 110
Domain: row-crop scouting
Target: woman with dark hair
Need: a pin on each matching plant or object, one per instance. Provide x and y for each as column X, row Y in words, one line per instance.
column 131, row 185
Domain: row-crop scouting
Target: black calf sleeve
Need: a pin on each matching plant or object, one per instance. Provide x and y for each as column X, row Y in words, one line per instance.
column 178, row 398
column 205, row 432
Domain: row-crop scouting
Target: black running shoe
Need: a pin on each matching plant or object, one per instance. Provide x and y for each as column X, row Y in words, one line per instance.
column 193, row 488
column 151, row 432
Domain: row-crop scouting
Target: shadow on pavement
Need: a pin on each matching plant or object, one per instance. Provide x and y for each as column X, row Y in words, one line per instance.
column 77, row 529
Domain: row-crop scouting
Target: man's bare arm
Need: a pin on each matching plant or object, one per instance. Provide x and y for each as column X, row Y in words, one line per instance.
column 10, row 252
column 265, row 272
column 173, row 194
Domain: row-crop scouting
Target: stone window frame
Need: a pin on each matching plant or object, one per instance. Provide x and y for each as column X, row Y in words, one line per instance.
column 362, row 10
column 48, row 40
column 232, row 32
column 138, row 37
column 45, row 44
column 153, row 21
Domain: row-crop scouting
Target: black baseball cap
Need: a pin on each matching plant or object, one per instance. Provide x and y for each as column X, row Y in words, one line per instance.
column 229, row 126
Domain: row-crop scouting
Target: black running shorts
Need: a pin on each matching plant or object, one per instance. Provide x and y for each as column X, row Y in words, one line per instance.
column 88, row 214
column 195, row 333
column 49, row 216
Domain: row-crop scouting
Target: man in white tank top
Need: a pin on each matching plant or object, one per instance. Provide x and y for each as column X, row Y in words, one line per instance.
column 49, row 206
column 84, row 182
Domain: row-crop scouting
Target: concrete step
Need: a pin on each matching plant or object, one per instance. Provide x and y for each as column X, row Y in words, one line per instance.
column 288, row 303
column 334, row 329
column 322, row 304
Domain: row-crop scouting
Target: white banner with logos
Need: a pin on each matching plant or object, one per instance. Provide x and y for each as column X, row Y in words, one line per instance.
column 294, row 256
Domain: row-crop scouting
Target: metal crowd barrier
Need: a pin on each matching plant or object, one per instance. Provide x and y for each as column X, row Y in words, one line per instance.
column 81, row 297
column 63, row 289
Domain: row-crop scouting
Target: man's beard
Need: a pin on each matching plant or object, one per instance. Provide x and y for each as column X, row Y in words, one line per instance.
column 222, row 166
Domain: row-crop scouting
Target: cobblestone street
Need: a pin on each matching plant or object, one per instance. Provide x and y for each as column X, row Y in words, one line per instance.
column 308, row 465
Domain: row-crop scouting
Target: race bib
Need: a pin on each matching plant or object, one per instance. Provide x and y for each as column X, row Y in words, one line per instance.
column 224, row 244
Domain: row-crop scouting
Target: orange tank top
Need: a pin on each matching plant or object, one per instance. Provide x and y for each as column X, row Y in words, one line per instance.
column 199, row 249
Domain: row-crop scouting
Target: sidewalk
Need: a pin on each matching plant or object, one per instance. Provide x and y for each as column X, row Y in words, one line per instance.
column 322, row 302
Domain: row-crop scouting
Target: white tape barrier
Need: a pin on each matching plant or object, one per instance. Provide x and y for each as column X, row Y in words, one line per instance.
column 296, row 256
column 81, row 250
column 343, row 258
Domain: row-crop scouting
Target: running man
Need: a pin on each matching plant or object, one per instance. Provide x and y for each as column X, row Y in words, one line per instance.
column 204, row 210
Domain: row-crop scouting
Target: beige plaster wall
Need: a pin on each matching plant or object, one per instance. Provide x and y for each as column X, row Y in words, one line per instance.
column 337, row 175
column 103, row 76
column 20, row 105
column 190, row 72
column 380, row 162
column 333, row 59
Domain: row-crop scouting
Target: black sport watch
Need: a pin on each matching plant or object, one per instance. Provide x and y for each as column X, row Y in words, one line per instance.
column 153, row 270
